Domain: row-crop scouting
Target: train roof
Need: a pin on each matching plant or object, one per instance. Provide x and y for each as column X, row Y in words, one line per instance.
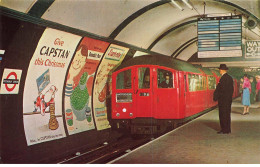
column 207, row 71
column 159, row 60
column 216, row 72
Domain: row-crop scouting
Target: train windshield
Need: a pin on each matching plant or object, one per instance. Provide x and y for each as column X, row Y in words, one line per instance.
column 123, row 80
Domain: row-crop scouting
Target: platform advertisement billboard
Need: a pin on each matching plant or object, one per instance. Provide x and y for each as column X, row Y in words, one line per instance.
column 79, row 85
column 42, row 96
column 112, row 58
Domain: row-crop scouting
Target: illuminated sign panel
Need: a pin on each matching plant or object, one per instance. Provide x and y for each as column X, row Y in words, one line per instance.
column 220, row 37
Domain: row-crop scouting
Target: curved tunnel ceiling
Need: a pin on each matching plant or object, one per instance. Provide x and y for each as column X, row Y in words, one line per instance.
column 155, row 25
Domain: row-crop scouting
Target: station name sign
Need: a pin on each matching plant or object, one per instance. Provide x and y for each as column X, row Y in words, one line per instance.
column 252, row 49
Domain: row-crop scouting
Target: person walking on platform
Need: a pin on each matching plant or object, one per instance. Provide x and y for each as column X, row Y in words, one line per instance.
column 258, row 89
column 246, row 94
column 223, row 94
column 253, row 90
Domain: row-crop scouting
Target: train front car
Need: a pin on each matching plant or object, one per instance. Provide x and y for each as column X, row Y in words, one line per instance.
column 151, row 93
column 140, row 90
column 147, row 95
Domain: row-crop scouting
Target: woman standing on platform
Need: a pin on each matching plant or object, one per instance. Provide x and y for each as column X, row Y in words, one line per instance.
column 246, row 94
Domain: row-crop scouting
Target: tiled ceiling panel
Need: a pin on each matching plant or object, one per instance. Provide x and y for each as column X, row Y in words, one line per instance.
column 18, row 5
column 100, row 17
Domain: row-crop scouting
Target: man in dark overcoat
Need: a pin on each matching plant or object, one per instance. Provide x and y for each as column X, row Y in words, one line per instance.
column 223, row 94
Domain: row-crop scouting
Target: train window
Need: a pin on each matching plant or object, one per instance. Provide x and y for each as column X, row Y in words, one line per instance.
column 196, row 82
column 192, row 82
column 165, row 79
column 212, row 82
column 204, row 83
column 123, row 80
column 143, row 78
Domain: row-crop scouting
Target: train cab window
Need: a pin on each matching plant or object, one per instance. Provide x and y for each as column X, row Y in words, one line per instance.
column 143, row 78
column 123, row 80
column 212, row 82
column 165, row 79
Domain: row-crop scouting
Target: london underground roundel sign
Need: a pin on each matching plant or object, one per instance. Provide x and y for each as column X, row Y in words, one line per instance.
column 10, row 81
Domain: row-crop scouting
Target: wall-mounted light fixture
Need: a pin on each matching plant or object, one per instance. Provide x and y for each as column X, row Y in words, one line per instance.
column 187, row 3
column 177, row 5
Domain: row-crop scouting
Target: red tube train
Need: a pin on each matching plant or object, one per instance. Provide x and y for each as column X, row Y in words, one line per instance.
column 151, row 93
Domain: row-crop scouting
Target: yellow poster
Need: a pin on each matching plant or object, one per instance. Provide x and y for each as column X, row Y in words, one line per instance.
column 113, row 57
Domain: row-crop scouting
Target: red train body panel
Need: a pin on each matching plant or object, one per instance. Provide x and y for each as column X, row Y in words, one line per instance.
column 139, row 93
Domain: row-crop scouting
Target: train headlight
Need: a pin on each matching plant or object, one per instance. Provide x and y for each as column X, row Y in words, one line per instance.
column 124, row 109
column 117, row 114
column 131, row 114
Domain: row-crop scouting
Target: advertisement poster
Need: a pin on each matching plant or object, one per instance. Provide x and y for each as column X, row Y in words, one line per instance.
column 42, row 98
column 113, row 57
column 10, row 81
column 79, row 85
column 252, row 49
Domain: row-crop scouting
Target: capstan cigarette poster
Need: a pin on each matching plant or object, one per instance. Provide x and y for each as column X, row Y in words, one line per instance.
column 42, row 98
column 113, row 57
column 79, row 84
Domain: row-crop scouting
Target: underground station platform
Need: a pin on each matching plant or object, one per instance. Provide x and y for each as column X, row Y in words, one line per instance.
column 197, row 142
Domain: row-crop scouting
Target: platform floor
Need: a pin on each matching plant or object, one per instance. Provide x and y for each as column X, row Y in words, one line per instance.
column 198, row 142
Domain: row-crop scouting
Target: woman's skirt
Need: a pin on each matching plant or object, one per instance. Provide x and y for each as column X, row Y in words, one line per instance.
column 246, row 97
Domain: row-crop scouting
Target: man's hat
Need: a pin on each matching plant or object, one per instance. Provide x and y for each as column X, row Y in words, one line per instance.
column 223, row 67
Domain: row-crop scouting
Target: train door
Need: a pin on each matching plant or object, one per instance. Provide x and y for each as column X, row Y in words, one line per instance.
column 185, row 90
column 190, row 92
column 143, row 92
column 211, row 86
column 123, row 97
column 182, row 93
column 208, row 93
column 205, row 92
column 165, row 97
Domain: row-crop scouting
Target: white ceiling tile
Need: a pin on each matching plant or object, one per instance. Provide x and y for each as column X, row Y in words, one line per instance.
column 100, row 17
